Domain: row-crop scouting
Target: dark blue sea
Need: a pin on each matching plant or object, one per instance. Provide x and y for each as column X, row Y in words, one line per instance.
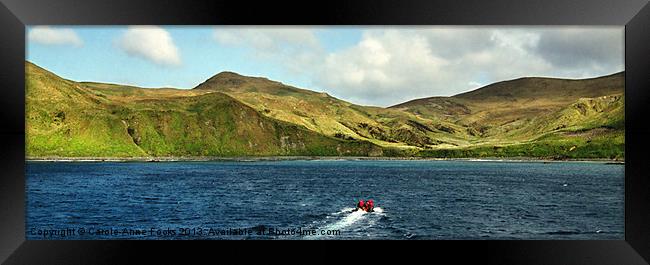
column 314, row 199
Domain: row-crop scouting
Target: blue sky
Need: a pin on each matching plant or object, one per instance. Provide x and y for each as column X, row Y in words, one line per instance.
column 366, row 65
column 98, row 59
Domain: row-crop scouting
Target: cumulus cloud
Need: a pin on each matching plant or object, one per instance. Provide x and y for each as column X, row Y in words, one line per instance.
column 151, row 43
column 390, row 66
column 383, row 66
column 54, row 36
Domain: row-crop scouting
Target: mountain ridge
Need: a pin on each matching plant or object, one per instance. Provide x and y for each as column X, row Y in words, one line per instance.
column 481, row 90
column 434, row 126
column 94, row 122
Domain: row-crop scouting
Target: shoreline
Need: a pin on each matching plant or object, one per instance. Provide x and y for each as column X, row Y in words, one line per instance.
column 313, row 158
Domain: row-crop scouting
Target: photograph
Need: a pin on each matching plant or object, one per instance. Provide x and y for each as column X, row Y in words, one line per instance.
column 324, row 132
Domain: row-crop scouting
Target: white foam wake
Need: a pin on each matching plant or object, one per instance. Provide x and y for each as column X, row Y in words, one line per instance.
column 344, row 210
column 350, row 217
column 348, row 220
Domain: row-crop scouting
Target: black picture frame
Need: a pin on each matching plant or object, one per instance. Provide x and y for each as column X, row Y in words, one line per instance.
column 633, row 14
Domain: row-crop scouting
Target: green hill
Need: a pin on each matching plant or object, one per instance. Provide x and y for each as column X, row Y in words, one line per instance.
column 234, row 115
column 585, row 116
column 69, row 119
column 523, row 98
column 330, row 116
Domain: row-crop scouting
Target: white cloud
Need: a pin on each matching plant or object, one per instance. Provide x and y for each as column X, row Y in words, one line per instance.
column 384, row 66
column 54, row 36
column 151, row 43
column 390, row 66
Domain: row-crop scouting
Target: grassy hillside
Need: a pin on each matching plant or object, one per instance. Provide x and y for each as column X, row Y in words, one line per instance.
column 234, row 115
column 69, row 119
column 330, row 116
column 537, row 117
column 513, row 101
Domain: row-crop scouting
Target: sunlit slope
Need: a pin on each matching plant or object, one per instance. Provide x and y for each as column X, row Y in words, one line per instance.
column 234, row 115
column 330, row 116
column 64, row 118
column 536, row 117
column 504, row 106
column 69, row 119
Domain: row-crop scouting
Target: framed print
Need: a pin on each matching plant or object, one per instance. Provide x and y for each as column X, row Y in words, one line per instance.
column 511, row 130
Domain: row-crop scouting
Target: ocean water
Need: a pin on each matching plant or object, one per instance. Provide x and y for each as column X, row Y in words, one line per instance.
column 313, row 199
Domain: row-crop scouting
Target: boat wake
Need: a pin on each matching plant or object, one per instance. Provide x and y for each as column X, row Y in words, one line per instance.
column 350, row 218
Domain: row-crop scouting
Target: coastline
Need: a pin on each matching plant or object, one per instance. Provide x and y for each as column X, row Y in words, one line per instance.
column 314, row 158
